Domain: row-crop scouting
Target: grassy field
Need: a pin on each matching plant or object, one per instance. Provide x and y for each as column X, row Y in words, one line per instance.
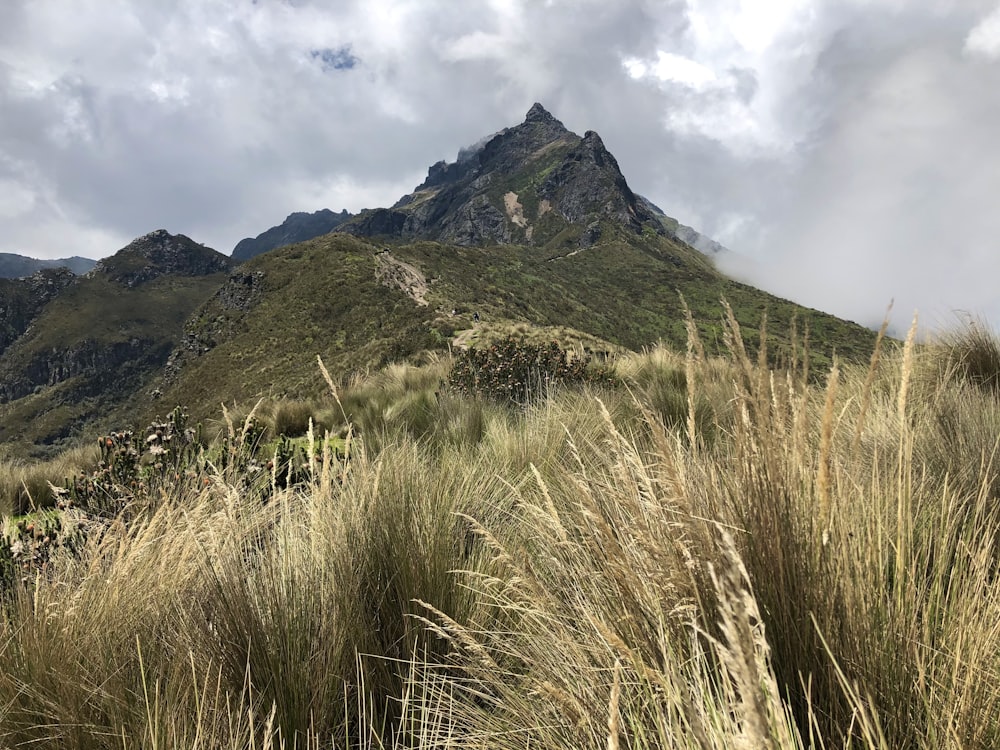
column 711, row 554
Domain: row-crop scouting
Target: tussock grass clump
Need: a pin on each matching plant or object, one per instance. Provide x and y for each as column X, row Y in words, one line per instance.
column 516, row 371
column 292, row 418
column 971, row 352
column 26, row 485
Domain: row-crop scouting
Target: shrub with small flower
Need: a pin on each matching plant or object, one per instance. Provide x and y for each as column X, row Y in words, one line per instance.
column 29, row 543
column 129, row 467
column 515, row 371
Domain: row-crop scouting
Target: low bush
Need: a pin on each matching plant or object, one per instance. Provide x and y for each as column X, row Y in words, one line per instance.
column 512, row 370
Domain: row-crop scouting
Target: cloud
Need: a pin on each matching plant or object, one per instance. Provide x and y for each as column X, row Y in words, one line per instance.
column 889, row 195
column 984, row 39
column 844, row 147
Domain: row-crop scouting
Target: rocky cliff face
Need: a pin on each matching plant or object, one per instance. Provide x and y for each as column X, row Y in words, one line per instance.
column 298, row 227
column 21, row 300
column 528, row 184
column 100, row 367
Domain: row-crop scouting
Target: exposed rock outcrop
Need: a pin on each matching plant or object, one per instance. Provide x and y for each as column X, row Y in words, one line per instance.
column 105, row 367
column 21, row 300
column 557, row 179
column 159, row 253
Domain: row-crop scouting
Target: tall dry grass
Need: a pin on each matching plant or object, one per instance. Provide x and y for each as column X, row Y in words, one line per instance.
column 24, row 485
column 736, row 558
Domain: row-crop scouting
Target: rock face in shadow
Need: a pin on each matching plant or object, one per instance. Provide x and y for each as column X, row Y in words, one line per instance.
column 99, row 367
column 298, row 227
column 21, row 300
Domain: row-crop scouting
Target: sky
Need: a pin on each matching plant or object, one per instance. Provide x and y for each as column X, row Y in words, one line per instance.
column 847, row 151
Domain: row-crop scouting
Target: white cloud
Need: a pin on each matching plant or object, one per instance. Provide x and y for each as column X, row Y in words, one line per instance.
column 683, row 70
column 984, row 39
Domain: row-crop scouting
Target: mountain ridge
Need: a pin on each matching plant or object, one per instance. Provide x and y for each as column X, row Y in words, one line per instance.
column 81, row 345
column 297, row 227
column 534, row 226
column 14, row 266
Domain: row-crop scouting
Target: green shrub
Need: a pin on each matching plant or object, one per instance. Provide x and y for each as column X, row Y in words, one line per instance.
column 130, row 466
column 516, row 371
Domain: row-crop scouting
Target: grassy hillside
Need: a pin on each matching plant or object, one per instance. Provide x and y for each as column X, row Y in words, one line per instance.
column 91, row 348
column 359, row 307
column 263, row 331
column 719, row 556
column 154, row 327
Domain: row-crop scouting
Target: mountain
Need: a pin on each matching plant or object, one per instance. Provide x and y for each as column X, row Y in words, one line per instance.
column 298, row 227
column 534, row 184
column 361, row 304
column 13, row 266
column 77, row 347
column 533, row 229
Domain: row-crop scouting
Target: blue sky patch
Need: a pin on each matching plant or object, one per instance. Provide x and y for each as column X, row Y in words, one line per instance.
column 335, row 59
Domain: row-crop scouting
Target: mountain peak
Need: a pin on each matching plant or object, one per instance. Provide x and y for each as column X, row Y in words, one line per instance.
column 533, row 184
column 538, row 112
column 539, row 118
column 159, row 253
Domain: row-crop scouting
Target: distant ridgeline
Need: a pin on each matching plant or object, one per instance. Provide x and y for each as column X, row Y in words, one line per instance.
column 298, row 227
column 535, row 226
column 13, row 266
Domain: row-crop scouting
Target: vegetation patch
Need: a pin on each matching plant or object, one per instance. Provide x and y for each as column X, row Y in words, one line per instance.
column 515, row 371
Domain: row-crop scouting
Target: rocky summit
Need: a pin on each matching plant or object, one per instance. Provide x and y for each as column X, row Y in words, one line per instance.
column 533, row 184
column 159, row 253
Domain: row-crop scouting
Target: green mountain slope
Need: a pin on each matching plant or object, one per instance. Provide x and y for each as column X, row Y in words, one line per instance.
column 95, row 343
column 535, row 228
column 361, row 304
